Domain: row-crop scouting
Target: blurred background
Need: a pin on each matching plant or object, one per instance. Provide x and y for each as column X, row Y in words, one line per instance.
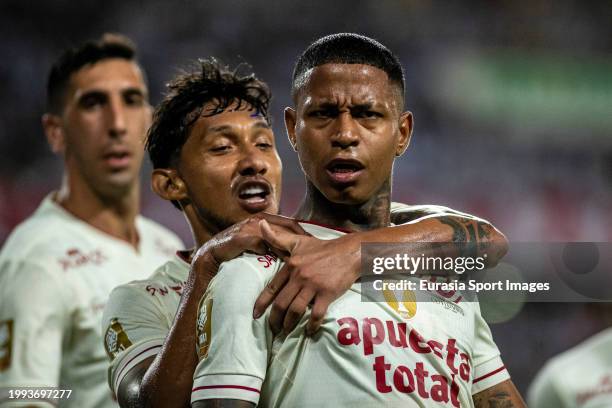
column 512, row 103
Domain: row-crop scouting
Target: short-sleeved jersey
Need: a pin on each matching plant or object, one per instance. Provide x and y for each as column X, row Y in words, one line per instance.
column 407, row 351
column 56, row 273
column 138, row 317
column 578, row 378
column 139, row 314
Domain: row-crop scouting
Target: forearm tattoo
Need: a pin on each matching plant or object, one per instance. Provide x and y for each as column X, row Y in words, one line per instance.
column 500, row 399
column 405, row 217
column 471, row 235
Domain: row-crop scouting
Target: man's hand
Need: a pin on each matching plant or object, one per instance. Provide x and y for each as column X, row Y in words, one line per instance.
column 318, row 272
column 166, row 380
column 306, row 277
column 245, row 236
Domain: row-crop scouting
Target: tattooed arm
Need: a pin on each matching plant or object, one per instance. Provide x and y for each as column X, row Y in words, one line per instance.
column 502, row 395
column 471, row 236
column 324, row 270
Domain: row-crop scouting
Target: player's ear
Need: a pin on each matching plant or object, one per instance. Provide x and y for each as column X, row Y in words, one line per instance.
column 290, row 117
column 168, row 184
column 406, row 124
column 52, row 125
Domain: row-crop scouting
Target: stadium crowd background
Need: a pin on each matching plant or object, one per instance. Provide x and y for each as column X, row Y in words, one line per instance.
column 511, row 100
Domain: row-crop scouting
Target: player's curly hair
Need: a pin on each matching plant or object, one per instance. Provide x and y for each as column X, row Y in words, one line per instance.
column 209, row 83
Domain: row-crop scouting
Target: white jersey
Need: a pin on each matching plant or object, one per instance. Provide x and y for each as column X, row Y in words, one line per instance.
column 578, row 378
column 139, row 314
column 138, row 317
column 412, row 352
column 56, row 273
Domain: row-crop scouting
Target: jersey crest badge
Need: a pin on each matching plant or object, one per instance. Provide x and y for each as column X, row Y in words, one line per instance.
column 6, row 344
column 203, row 327
column 115, row 339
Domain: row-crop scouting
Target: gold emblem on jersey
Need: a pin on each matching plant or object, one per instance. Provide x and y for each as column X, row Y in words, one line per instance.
column 6, row 343
column 115, row 339
column 203, row 327
column 406, row 306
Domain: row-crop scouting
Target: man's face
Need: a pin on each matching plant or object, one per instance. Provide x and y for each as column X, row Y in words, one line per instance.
column 230, row 167
column 347, row 129
column 105, row 117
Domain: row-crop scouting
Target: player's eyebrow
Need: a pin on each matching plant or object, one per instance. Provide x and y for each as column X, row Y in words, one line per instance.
column 325, row 104
column 261, row 124
column 103, row 95
column 134, row 91
column 220, row 128
column 93, row 93
column 329, row 104
column 362, row 106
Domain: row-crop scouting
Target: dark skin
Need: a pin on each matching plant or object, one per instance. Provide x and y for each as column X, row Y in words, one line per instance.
column 503, row 395
column 294, row 287
column 165, row 380
column 348, row 127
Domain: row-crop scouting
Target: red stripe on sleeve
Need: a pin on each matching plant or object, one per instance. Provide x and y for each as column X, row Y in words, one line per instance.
column 482, row 377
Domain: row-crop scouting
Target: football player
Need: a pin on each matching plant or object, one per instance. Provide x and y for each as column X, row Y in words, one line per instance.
column 58, row 267
column 348, row 125
column 214, row 157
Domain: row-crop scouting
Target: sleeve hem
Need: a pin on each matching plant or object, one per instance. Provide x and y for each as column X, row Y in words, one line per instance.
column 488, row 374
column 133, row 356
column 227, row 386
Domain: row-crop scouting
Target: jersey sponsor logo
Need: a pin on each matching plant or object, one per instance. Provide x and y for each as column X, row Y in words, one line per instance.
column 406, row 306
column 116, row 339
column 439, row 386
column 435, row 386
column 203, row 327
column 267, row 260
column 6, row 344
column 75, row 258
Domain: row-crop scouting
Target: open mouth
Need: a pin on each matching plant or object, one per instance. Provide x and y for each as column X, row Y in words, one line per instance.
column 254, row 195
column 118, row 158
column 344, row 170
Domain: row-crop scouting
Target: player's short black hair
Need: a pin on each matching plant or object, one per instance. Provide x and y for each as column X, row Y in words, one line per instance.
column 347, row 48
column 110, row 45
column 209, row 82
